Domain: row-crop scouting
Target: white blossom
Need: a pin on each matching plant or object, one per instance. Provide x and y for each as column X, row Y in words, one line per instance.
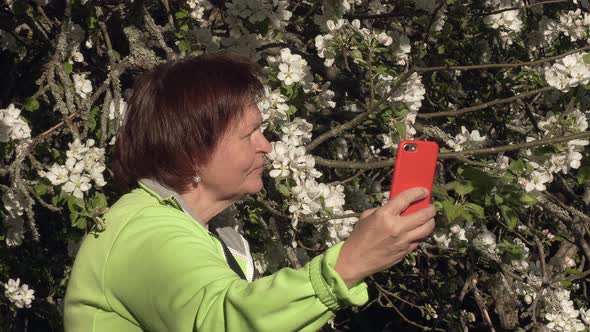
column 339, row 229
column 273, row 107
column 466, row 139
column 12, row 126
column 57, row 174
column 20, row 296
column 508, row 22
column 568, row 72
column 82, row 85
column 113, row 113
column 77, row 184
column 292, row 68
column 536, row 181
column 297, row 132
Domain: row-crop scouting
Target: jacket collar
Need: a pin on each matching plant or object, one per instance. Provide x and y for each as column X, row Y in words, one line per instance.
column 167, row 196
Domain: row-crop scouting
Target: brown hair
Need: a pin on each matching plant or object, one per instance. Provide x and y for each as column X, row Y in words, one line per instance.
column 178, row 113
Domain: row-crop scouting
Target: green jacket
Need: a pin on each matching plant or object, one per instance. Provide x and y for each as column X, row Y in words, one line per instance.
column 156, row 268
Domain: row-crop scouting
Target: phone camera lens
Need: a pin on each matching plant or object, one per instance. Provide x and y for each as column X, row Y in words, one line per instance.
column 409, row 147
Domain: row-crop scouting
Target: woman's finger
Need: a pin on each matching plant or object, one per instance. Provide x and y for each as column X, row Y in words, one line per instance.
column 421, row 232
column 401, row 202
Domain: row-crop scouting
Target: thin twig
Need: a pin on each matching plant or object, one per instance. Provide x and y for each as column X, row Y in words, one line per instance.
column 451, row 155
column 484, row 105
column 359, row 118
column 500, row 65
column 520, row 7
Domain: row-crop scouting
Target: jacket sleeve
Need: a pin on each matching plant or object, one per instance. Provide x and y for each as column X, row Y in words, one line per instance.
column 169, row 276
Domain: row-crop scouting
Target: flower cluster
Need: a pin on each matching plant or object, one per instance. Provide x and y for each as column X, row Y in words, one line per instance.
column 333, row 10
column 567, row 158
column 508, row 22
column 466, row 139
column 410, row 93
column 274, row 108
column 454, row 234
column 307, row 197
column 485, row 243
column 198, row 7
column 575, row 24
column 322, row 98
column 561, row 314
column 21, row 296
column 340, row 32
column 85, row 162
column 339, row 229
column 12, row 126
column 568, row 72
column 14, row 203
column 292, row 69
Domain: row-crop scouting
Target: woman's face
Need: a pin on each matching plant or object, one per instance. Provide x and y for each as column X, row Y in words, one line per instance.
column 236, row 166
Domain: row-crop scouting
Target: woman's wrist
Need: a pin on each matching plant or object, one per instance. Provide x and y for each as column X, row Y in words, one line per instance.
column 345, row 269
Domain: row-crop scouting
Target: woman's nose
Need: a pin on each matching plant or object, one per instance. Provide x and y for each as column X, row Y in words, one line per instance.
column 264, row 145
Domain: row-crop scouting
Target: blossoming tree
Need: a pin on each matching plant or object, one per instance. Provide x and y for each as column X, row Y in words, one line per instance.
column 501, row 85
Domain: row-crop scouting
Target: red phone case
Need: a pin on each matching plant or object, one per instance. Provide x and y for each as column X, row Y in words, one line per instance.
column 414, row 169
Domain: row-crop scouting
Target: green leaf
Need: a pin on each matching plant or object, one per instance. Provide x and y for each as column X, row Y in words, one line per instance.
column 92, row 118
column 478, row 177
column 527, row 199
column 57, row 200
column 476, row 210
column 74, row 216
column 92, row 22
column 510, row 216
column 183, row 46
column 463, row 188
column 116, row 54
column 41, row 188
column 583, row 172
column 99, row 201
column 292, row 110
column 181, row 14
column 356, row 54
column 454, row 211
column 517, row 167
column 586, row 58
column 81, row 223
column 75, row 204
column 283, row 189
column 68, row 68
column 31, row 104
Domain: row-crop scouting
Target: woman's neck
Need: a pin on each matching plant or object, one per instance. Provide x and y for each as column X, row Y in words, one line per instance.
column 205, row 205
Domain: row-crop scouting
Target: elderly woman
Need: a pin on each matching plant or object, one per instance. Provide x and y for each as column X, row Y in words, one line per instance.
column 191, row 146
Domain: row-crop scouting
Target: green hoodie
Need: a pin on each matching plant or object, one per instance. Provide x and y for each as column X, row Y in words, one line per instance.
column 156, row 268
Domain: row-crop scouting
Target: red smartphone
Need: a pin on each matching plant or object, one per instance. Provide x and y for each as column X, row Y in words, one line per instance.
column 415, row 164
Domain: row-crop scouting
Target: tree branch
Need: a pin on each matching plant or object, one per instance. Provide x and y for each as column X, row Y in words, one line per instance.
column 500, row 65
column 521, row 7
column 359, row 118
column 450, row 155
column 484, row 105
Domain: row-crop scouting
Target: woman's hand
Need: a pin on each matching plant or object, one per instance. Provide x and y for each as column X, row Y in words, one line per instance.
column 381, row 238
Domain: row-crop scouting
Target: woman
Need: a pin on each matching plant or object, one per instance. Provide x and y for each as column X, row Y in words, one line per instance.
column 191, row 146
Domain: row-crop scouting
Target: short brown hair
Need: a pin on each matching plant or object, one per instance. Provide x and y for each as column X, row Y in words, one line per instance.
column 178, row 113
